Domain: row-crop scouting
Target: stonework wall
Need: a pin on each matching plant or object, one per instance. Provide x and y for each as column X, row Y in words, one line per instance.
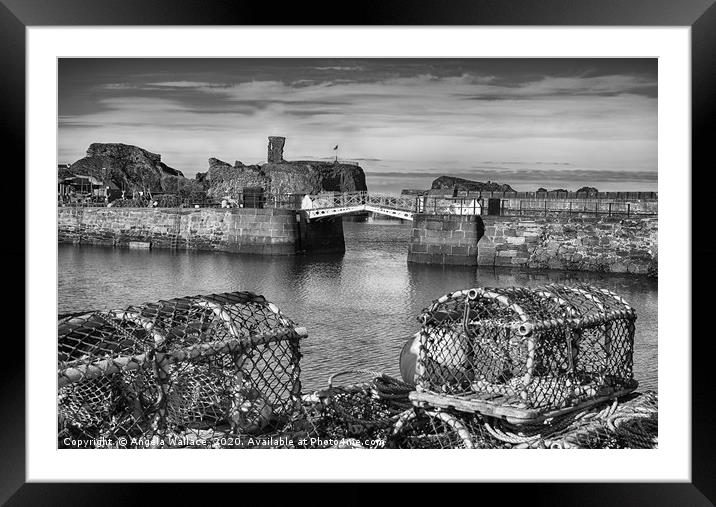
column 241, row 230
column 585, row 244
column 445, row 239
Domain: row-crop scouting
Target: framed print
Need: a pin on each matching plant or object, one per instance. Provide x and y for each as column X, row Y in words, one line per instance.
column 425, row 251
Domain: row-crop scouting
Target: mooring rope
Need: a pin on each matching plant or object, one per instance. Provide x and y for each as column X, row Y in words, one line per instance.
column 549, row 428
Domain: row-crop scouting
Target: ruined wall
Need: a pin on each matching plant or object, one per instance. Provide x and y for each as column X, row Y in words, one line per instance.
column 227, row 180
column 610, row 245
column 275, row 149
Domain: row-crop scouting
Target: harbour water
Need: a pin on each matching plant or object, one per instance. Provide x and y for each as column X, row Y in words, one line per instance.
column 359, row 307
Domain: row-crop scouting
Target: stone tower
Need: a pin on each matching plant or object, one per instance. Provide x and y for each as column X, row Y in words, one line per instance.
column 275, row 149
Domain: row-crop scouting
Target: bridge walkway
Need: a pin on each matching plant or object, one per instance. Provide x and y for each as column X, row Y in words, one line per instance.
column 398, row 206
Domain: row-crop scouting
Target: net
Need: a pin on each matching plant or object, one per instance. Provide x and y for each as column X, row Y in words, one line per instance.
column 547, row 367
column 525, row 353
column 193, row 371
column 357, row 416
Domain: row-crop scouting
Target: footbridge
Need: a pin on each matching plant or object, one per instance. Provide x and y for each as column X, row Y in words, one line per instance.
column 398, row 206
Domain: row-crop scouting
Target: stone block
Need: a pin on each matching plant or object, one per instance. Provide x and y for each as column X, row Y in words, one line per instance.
column 618, row 267
column 436, row 258
column 515, row 240
column 485, row 258
column 458, row 250
column 503, row 261
column 451, row 226
column 431, row 233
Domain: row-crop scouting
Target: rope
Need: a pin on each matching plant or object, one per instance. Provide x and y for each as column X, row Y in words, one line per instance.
column 348, row 372
column 554, row 426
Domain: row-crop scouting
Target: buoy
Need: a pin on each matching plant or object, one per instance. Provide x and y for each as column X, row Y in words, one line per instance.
column 448, row 347
column 446, row 356
column 409, row 359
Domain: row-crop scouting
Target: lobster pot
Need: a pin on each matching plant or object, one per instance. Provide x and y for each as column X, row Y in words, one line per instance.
column 525, row 353
column 216, row 365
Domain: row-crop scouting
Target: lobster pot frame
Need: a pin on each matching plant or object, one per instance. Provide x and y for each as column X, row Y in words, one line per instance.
column 525, row 354
column 167, row 374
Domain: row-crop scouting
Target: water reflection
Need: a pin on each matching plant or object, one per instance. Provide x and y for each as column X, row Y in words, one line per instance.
column 358, row 307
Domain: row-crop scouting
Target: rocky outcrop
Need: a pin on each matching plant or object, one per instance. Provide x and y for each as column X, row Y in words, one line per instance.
column 299, row 177
column 312, row 177
column 590, row 191
column 282, row 177
column 452, row 182
column 225, row 179
column 128, row 167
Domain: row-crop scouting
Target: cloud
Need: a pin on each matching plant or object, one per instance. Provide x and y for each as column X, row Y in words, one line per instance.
column 396, row 123
column 186, row 84
column 339, row 68
column 508, row 175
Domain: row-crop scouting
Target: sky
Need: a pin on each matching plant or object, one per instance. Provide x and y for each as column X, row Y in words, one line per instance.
column 553, row 123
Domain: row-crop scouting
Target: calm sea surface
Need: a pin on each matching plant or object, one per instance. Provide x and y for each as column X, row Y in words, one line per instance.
column 359, row 308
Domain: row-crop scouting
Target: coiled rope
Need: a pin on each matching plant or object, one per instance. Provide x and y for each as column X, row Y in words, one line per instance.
column 533, row 434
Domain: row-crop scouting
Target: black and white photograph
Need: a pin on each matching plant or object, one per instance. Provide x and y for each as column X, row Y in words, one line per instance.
column 357, row 253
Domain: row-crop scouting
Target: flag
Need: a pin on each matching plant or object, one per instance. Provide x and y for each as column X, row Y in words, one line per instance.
column 335, row 147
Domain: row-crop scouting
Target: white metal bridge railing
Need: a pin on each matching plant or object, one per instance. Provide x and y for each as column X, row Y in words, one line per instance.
column 349, row 199
column 403, row 206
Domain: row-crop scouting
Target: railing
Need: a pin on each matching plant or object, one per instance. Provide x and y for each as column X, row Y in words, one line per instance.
column 348, row 199
column 266, row 200
column 614, row 196
column 597, row 208
column 451, row 206
column 461, row 205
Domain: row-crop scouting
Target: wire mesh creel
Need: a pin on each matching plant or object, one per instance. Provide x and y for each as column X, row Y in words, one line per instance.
column 525, row 354
column 167, row 373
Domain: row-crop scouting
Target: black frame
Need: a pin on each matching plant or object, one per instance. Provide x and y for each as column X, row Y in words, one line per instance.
column 700, row 15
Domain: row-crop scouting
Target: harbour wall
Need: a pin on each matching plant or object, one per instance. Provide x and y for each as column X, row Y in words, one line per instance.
column 263, row 231
column 607, row 244
column 611, row 245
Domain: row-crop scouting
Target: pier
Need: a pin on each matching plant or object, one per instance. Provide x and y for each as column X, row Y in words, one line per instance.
column 445, row 231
